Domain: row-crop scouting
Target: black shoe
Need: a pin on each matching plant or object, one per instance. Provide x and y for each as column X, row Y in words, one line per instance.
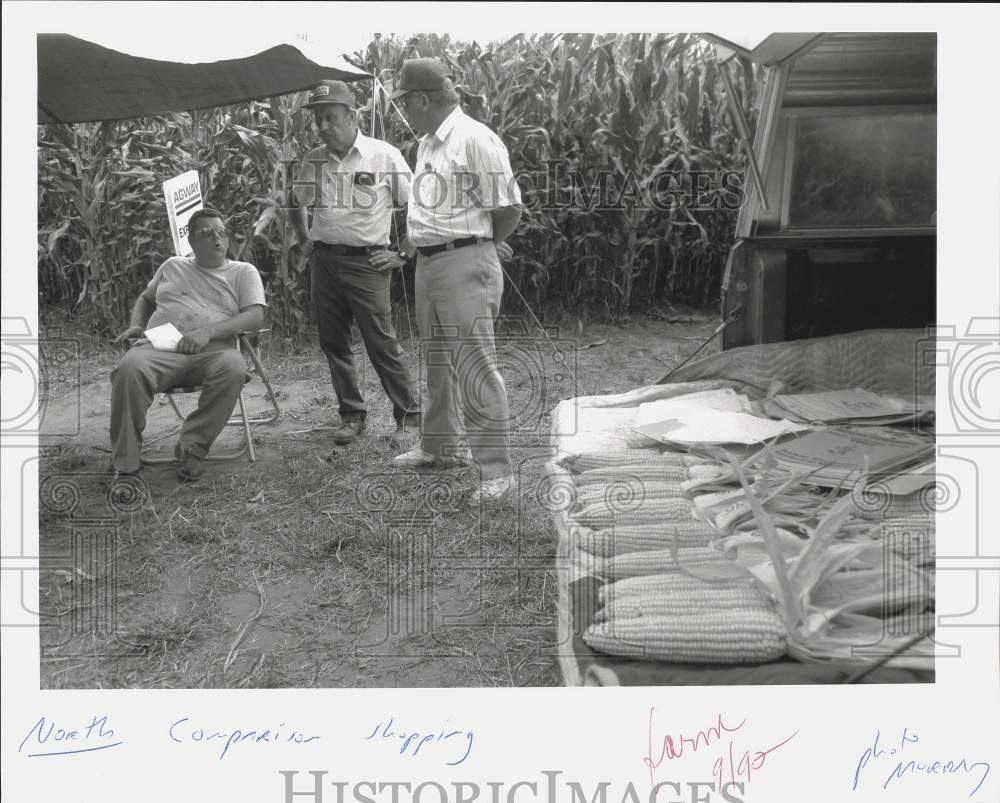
column 348, row 432
column 189, row 467
column 115, row 473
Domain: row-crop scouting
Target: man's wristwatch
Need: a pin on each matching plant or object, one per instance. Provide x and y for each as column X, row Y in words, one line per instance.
column 403, row 255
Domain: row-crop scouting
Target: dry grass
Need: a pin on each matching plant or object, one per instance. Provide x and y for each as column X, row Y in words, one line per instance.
column 315, row 566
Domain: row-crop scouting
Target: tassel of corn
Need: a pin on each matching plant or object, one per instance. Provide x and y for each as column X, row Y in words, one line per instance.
column 636, row 564
column 738, row 637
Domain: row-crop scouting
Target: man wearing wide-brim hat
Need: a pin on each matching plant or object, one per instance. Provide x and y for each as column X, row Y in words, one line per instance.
column 464, row 203
column 351, row 184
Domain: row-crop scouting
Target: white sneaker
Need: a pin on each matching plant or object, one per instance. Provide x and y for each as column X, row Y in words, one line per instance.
column 418, row 458
column 415, row 458
column 493, row 489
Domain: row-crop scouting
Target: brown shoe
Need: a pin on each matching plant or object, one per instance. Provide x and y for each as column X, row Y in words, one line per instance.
column 189, row 467
column 405, row 436
column 348, row 432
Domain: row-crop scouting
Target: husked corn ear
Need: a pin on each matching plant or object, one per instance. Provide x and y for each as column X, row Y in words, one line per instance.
column 635, row 564
column 670, row 583
column 632, row 473
column 650, row 511
column 711, row 638
column 626, row 497
column 587, row 461
column 630, row 489
column 687, row 600
column 618, row 541
column 688, row 527
column 631, row 606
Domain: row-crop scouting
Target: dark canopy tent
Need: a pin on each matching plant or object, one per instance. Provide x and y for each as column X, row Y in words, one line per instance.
column 79, row 81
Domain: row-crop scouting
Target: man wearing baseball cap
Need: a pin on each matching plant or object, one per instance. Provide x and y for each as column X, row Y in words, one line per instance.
column 351, row 183
column 464, row 204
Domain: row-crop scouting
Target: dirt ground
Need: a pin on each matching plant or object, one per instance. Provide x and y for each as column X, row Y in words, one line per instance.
column 314, row 566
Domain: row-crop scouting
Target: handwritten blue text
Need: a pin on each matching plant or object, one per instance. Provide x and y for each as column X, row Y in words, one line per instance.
column 417, row 740
column 56, row 741
column 181, row 731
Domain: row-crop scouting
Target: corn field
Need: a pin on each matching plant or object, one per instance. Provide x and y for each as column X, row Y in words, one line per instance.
column 595, row 126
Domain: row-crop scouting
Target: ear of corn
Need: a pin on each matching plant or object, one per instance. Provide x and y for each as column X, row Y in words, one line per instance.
column 629, row 473
column 635, row 564
column 632, row 494
column 619, row 541
column 711, row 638
column 670, row 583
column 589, row 461
column 586, row 461
column 656, row 511
column 671, row 603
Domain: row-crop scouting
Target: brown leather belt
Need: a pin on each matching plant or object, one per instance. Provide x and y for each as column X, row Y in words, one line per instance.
column 431, row 250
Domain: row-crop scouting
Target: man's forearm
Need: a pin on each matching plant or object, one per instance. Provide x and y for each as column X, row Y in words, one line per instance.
column 505, row 220
column 142, row 310
column 300, row 222
column 249, row 320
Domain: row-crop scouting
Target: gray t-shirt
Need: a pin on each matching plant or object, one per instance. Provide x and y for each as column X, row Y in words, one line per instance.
column 190, row 296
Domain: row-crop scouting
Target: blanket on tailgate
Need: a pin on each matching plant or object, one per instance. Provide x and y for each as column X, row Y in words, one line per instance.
column 607, row 532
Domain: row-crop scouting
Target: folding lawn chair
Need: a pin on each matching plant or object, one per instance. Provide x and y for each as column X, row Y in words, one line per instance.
column 246, row 342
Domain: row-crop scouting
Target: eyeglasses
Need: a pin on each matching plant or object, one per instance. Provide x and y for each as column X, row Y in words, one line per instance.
column 211, row 232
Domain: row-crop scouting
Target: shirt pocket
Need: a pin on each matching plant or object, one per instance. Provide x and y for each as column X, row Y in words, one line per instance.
column 462, row 179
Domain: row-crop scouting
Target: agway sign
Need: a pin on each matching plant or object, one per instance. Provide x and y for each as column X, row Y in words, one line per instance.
column 183, row 196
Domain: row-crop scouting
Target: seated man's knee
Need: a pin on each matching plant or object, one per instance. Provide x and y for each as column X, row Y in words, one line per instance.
column 232, row 365
column 132, row 365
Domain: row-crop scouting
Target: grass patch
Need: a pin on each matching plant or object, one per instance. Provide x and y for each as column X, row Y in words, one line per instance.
column 317, row 566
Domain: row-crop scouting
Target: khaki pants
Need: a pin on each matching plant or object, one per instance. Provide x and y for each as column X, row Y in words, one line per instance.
column 143, row 372
column 457, row 298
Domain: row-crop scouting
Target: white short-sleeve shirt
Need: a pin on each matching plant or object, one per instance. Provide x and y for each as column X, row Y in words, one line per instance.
column 463, row 172
column 352, row 198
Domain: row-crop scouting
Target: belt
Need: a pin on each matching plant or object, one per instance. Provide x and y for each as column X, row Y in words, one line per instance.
column 349, row 250
column 431, row 250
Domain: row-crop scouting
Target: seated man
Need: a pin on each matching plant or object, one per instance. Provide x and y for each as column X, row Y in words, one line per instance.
column 210, row 299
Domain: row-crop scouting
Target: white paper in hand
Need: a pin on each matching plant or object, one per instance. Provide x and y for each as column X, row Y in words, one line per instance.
column 164, row 338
